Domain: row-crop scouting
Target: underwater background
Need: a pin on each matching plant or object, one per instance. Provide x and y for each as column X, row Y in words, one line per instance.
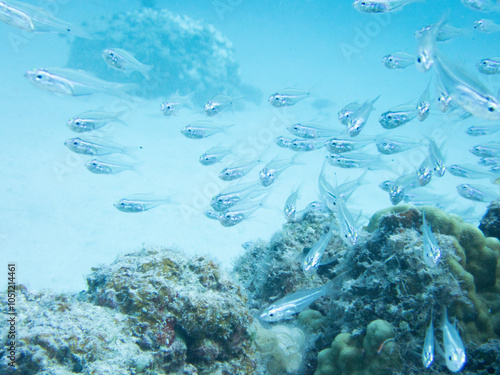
column 60, row 228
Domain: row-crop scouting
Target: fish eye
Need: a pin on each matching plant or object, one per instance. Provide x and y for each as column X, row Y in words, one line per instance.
column 75, row 143
column 227, row 173
column 220, row 200
column 77, row 122
column 419, row 59
column 389, row 117
column 271, row 314
column 122, row 204
column 39, row 76
column 111, row 53
column 491, row 109
column 295, row 127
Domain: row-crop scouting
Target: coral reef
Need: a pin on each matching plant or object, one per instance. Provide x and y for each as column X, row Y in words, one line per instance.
column 153, row 311
column 188, row 56
column 490, row 223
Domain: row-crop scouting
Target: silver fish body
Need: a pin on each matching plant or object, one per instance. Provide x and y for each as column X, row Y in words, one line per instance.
column 424, row 172
column 273, row 169
column 398, row 60
column 287, row 97
column 490, row 149
column 235, row 194
column 311, row 130
column 489, row 66
column 356, row 161
column 345, row 113
column 428, row 348
column 169, row 107
column 453, row 346
column 237, row 170
column 486, row 26
column 467, row 171
column 214, row 215
column 92, row 120
column 238, row 213
column 312, row 260
column 489, row 161
column 140, row 203
column 358, row 119
column 214, row 155
column 86, row 147
column 444, row 102
column 202, row 129
column 477, row 193
column 482, row 5
column 424, row 104
column 431, row 250
column 108, row 166
column 477, row 130
column 290, row 208
column 283, row 142
column 340, row 145
column 380, row 6
column 394, row 145
column 306, row 144
column 437, row 158
column 218, row 103
column 125, row 62
column 395, row 118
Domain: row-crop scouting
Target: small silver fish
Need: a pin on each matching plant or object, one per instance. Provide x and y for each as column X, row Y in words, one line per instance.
column 293, row 303
column 235, row 194
column 283, row 142
column 437, row 158
column 428, row 348
column 287, row 97
column 92, row 120
column 431, row 249
column 109, row 166
column 444, row 102
column 125, row 62
column 356, row 161
column 399, row 188
column 202, row 129
column 290, row 208
column 274, row 168
column 306, row 144
column 238, row 213
column 489, row 66
column 214, row 215
column 394, row 145
column 477, row 193
column 446, row 32
column 486, row 26
column 380, row 6
column 237, row 170
column 214, row 155
column 359, row 118
column 477, row 130
column 489, row 149
column 424, row 104
column 345, row 113
column 311, row 130
column 424, row 172
column 398, row 60
column 86, row 147
column 468, row 171
column 426, row 47
column 339, row 145
column 169, row 107
column 319, row 207
column 140, row 202
column 219, row 103
column 453, row 346
column 30, row 18
column 312, row 260
column 489, row 161
column 482, row 5
column 74, row 82
column 397, row 116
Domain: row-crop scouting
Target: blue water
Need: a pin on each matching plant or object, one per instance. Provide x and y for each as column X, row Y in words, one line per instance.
column 58, row 220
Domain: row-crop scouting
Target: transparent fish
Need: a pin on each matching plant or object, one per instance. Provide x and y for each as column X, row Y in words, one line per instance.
column 287, row 97
column 478, row 130
column 290, row 208
column 319, row 207
column 397, row 116
column 202, row 129
column 214, row 215
column 477, row 193
column 482, row 5
column 312, row 260
column 399, row 188
column 283, row 142
column 338, row 145
column 170, row 106
column 306, row 144
column 87, row 147
column 34, row 19
column 380, row 6
column 345, row 190
column 235, row 194
column 489, row 149
column 140, row 202
column 311, row 130
column 424, row 198
column 453, row 346
column 428, row 348
column 431, row 249
column 293, row 303
column 214, row 155
column 356, row 161
column 486, row 26
column 274, row 168
column 489, row 66
column 125, row 62
column 394, row 145
column 437, row 158
column 238, row 213
column 109, row 166
column 237, row 170
column 444, row 102
column 466, row 91
column 426, row 47
column 489, row 161
column 398, row 60
column 424, row 104
column 345, row 113
column 446, row 32
column 468, row 171
column 74, row 82
column 424, row 172
column 92, row 120
column 218, row 104
column 359, row 118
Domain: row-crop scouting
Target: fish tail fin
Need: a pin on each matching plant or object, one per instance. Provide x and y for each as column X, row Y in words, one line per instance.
column 444, row 316
column 145, row 71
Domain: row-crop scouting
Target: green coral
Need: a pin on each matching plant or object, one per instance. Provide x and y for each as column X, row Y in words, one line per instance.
column 376, row 353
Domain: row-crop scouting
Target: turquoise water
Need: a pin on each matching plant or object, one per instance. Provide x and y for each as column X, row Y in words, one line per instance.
column 59, row 219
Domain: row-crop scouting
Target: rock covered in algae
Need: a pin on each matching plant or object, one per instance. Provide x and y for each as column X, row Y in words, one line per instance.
column 154, row 311
column 490, row 223
column 187, row 55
